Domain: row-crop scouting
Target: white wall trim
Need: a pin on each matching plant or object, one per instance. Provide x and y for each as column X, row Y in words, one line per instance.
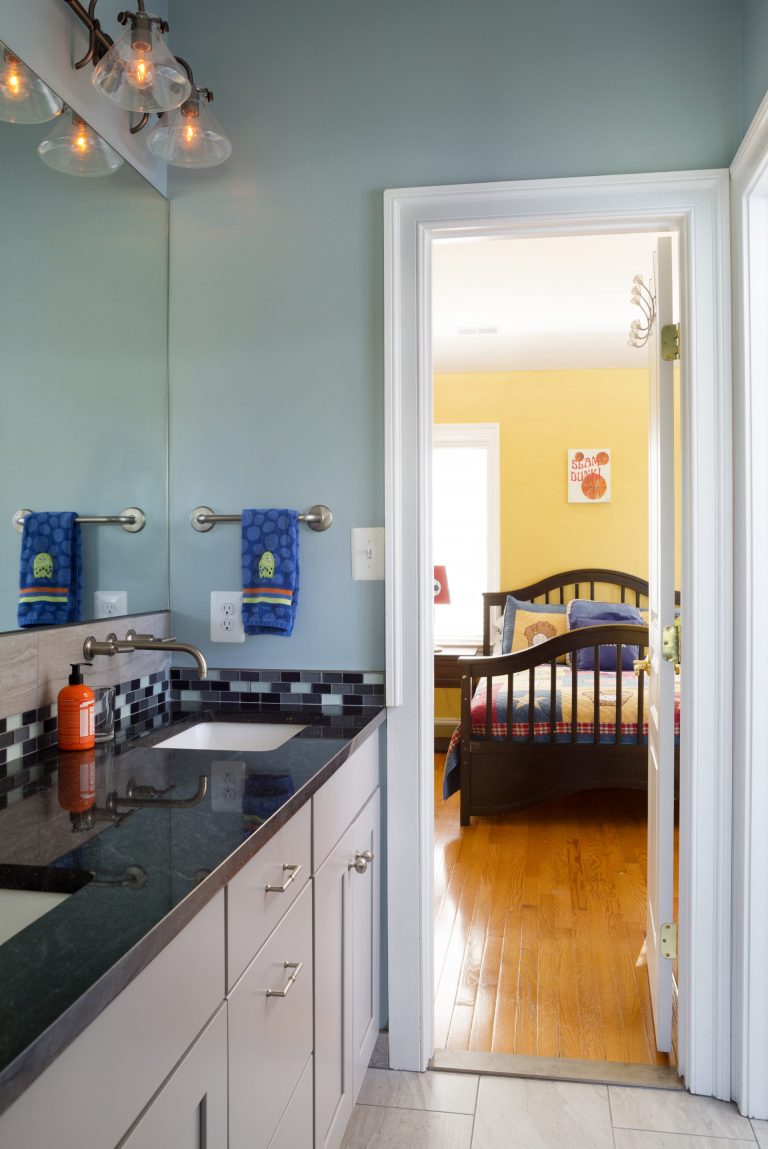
column 696, row 205
column 750, row 780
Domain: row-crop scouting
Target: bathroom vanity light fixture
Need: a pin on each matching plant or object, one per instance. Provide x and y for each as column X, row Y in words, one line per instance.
column 138, row 72
column 72, row 147
column 24, row 98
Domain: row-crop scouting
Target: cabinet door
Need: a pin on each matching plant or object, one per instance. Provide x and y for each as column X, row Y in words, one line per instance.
column 190, row 1111
column 346, row 974
column 270, row 1029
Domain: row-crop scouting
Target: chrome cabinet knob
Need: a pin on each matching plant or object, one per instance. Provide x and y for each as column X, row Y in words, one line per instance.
column 361, row 860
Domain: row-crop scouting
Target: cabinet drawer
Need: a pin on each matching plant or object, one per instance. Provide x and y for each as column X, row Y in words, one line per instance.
column 122, row 1057
column 270, row 1037
column 253, row 911
column 191, row 1109
column 336, row 804
column 295, row 1128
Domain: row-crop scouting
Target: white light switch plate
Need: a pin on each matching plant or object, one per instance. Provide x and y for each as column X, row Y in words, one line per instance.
column 367, row 552
column 107, row 603
column 227, row 616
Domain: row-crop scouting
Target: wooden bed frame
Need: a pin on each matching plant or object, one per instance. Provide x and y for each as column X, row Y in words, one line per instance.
column 503, row 775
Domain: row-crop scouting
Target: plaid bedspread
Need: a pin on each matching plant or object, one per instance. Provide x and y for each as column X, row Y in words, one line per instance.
column 585, row 711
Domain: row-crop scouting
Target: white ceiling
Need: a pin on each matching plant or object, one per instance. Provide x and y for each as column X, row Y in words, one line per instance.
column 556, row 303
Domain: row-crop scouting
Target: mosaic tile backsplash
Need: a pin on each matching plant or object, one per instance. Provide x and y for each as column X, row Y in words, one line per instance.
column 145, row 703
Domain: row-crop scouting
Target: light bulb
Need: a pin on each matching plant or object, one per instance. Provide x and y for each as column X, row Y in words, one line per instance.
column 73, row 148
column 189, row 136
column 139, row 72
column 12, row 82
column 24, row 98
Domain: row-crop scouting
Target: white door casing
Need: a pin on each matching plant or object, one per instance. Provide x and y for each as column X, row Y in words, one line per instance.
column 750, row 778
column 661, row 675
column 695, row 204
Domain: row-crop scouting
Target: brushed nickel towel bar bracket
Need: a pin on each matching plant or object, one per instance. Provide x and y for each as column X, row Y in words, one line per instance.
column 132, row 519
column 317, row 518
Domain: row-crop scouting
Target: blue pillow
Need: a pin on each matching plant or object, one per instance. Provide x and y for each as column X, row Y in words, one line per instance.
column 510, row 610
column 584, row 612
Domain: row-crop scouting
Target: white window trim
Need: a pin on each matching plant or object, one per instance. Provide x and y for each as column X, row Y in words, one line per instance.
column 478, row 435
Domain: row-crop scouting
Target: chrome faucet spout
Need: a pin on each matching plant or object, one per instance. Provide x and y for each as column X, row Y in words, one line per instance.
column 133, row 641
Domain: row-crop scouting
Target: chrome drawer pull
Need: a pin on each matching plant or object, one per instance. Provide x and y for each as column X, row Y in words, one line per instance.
column 360, row 863
column 296, row 967
column 294, row 871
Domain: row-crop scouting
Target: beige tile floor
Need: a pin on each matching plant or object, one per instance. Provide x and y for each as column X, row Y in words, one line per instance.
column 463, row 1111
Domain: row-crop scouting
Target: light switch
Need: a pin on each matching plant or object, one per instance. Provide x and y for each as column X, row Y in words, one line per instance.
column 367, row 552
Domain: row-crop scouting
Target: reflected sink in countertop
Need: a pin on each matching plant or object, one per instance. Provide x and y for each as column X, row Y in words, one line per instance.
column 28, row 892
column 232, row 736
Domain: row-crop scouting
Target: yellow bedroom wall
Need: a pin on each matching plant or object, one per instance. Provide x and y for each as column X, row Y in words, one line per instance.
column 541, row 414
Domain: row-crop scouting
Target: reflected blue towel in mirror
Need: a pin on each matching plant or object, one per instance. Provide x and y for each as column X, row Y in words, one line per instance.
column 270, row 566
column 51, row 572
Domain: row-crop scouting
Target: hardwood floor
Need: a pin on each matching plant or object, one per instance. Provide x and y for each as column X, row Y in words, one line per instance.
column 539, row 929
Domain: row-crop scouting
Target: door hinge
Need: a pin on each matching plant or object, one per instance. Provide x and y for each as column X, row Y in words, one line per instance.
column 670, row 342
column 669, row 940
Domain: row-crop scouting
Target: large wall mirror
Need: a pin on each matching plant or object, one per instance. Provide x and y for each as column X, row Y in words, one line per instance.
column 83, row 361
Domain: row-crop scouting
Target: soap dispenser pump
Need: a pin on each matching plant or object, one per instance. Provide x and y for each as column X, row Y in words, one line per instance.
column 77, row 723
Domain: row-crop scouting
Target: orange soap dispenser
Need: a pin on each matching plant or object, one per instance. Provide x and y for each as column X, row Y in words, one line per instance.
column 76, row 714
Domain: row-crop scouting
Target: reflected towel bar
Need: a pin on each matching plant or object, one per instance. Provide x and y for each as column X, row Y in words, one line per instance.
column 318, row 518
column 132, row 519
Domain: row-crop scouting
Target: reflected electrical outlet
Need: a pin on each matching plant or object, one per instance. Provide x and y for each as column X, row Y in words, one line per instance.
column 227, row 787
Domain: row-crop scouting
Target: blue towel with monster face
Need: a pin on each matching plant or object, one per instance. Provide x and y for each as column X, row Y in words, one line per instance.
column 50, row 578
column 270, row 559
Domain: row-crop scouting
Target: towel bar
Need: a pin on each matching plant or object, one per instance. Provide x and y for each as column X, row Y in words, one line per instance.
column 317, row 518
column 132, row 519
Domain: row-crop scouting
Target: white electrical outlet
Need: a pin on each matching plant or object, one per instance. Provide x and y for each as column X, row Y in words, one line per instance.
column 109, row 603
column 367, row 552
column 227, row 787
column 226, row 616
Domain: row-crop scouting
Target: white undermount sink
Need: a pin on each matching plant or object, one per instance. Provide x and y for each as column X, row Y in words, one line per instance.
column 232, row 736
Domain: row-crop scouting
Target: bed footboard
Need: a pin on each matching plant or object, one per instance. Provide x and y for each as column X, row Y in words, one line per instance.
column 551, row 755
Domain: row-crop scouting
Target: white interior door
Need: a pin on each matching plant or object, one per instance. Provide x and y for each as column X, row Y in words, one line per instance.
column 661, row 676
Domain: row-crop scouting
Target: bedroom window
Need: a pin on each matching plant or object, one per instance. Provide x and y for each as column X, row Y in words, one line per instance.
column 465, row 525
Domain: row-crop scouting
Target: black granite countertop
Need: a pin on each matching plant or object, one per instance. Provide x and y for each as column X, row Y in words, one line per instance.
column 153, row 870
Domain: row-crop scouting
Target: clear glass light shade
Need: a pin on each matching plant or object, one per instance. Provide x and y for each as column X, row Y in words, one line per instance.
column 72, row 147
column 189, row 136
column 139, row 73
column 24, row 98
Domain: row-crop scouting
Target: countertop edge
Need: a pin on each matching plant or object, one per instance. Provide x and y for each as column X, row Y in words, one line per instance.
column 20, row 1073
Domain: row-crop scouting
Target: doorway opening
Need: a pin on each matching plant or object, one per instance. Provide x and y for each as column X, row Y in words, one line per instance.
column 541, row 906
column 695, row 204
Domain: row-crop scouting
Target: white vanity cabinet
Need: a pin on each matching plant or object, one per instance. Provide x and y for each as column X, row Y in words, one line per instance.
column 264, row 1048
column 346, row 893
column 190, row 1111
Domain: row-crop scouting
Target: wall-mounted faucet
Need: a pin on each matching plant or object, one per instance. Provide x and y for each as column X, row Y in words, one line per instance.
column 149, row 797
column 133, row 641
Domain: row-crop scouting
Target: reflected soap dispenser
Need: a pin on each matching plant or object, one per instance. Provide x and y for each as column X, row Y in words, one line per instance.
column 77, row 724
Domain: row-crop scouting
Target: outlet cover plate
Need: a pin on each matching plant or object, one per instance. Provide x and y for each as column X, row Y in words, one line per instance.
column 109, row 603
column 227, row 616
column 227, row 787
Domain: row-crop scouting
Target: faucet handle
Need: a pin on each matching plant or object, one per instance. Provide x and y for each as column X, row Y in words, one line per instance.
column 132, row 636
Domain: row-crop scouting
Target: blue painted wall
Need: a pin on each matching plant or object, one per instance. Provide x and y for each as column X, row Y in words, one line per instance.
column 276, row 265
column 754, row 61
